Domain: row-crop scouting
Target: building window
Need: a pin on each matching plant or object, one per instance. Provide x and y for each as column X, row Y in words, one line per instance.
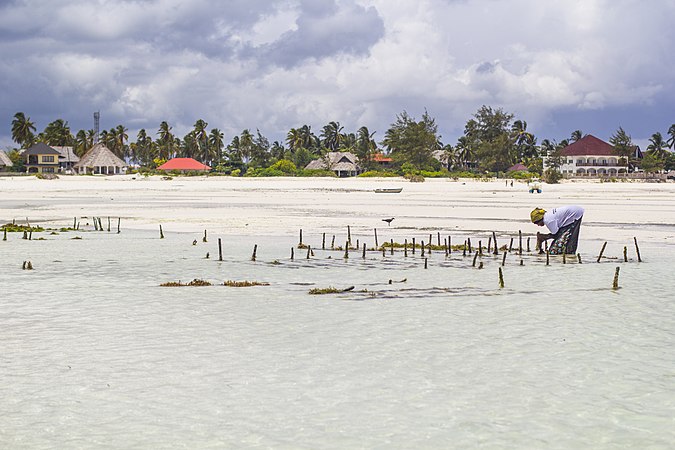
column 47, row 170
column 49, row 158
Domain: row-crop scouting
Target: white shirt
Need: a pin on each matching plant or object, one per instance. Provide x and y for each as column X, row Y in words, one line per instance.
column 563, row 216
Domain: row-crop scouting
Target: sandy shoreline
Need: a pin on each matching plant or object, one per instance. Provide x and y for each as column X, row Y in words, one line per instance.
column 281, row 206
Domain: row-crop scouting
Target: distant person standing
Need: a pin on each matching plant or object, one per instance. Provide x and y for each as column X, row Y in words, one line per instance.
column 563, row 223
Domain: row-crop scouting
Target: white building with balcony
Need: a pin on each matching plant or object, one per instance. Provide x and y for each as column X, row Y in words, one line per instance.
column 592, row 157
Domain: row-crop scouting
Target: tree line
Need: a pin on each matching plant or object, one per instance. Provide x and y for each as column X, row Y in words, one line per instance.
column 493, row 140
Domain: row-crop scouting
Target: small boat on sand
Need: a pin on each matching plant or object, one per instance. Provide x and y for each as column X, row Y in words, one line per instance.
column 388, row 190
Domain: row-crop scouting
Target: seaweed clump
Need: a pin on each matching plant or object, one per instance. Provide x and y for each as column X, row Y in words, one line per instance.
column 195, row 282
column 231, row 283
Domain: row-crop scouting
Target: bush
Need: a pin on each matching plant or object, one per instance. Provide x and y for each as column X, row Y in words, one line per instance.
column 236, row 173
column 552, row 176
column 284, row 166
column 435, row 174
column 378, row 174
column 522, row 175
column 463, row 174
column 316, row 173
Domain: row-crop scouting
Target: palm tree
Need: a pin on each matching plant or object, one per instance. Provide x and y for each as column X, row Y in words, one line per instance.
column 57, row 133
column 657, row 146
column 122, row 137
column 165, row 141
column 671, row 139
column 201, row 138
column 576, row 135
column 22, row 130
column 294, row 140
column 216, row 144
column 246, row 145
column 465, row 155
column 331, row 136
column 81, row 143
column 366, row 147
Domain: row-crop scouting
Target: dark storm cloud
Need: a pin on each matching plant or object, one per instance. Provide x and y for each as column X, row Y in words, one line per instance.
column 323, row 30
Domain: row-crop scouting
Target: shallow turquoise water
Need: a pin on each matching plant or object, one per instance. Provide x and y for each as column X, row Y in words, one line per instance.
column 96, row 353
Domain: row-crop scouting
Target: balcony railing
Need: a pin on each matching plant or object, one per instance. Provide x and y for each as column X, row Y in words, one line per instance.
column 598, row 164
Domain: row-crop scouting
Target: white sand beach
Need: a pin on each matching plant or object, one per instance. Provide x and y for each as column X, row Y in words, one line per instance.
column 281, row 206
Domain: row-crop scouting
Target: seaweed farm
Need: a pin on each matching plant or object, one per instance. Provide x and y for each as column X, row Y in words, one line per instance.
column 331, row 349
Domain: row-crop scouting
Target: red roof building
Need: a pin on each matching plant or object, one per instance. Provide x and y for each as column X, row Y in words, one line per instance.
column 591, row 157
column 184, row 165
column 520, row 167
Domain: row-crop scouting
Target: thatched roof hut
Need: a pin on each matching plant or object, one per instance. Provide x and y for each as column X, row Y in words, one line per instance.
column 5, row 162
column 100, row 160
column 344, row 164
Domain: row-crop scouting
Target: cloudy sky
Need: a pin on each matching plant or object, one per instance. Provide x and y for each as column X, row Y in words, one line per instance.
column 560, row 65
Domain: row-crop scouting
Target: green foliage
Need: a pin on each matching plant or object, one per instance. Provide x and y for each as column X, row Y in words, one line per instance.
column 18, row 163
column 522, row 175
column 552, row 176
column 434, row 174
column 316, row 173
column 463, row 174
column 236, row 173
column 284, row 166
column 378, row 174
column 413, row 142
column 651, row 163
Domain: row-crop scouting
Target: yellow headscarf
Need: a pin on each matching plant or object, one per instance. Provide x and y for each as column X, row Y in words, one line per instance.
column 537, row 214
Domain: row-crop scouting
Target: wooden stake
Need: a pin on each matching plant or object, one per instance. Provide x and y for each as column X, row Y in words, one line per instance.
column 74, row 222
column 119, row 221
column 439, row 238
column 504, row 258
column 364, row 251
column 375, row 230
column 547, row 258
column 449, row 246
column 520, row 242
column 579, row 257
column 255, row 250
column 468, row 241
column 349, row 235
column 501, row 278
column 292, row 254
column 220, row 250
column 480, row 248
column 323, row 242
column 405, row 248
column 637, row 249
column 625, row 254
column 464, row 252
column 392, row 246
column 332, row 243
column 108, row 224
column 475, row 257
column 564, row 258
column 602, row 250
column 422, row 249
column 100, row 225
column 204, row 238
column 445, row 242
column 300, row 244
column 4, row 236
column 615, row 285
column 426, row 263
column 494, row 239
column 309, row 251
column 413, row 246
column 489, row 247
column 161, row 232
column 528, row 244
column 511, row 245
column 347, row 250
